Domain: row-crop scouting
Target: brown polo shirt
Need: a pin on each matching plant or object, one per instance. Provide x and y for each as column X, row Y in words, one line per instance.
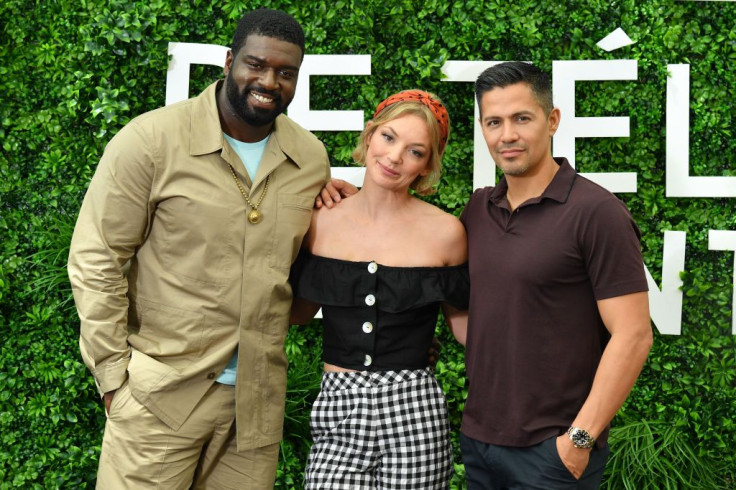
column 535, row 336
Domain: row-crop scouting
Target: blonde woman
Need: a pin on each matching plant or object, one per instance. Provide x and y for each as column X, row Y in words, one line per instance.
column 380, row 265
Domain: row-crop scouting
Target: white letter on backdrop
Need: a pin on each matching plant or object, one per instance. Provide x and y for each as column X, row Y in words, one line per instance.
column 328, row 64
column 564, row 75
column 679, row 181
column 726, row 240
column 665, row 306
column 183, row 55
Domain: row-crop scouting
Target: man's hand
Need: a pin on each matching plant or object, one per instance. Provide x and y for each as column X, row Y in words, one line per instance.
column 108, row 400
column 333, row 192
column 575, row 459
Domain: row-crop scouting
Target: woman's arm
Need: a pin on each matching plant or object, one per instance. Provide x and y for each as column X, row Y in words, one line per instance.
column 450, row 235
column 455, row 246
column 457, row 320
column 302, row 311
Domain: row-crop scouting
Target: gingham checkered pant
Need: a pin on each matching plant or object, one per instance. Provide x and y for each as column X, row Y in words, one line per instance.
column 380, row 430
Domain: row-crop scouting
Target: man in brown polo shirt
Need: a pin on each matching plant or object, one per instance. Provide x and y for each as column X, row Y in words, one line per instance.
column 559, row 319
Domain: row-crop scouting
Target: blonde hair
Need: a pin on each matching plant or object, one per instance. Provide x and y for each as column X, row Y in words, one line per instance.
column 423, row 185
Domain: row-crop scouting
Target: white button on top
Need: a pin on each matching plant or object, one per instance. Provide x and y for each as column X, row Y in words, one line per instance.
column 368, row 360
column 370, row 300
column 367, row 327
column 372, row 267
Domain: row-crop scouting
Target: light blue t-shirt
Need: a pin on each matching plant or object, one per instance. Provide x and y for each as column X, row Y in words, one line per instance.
column 250, row 154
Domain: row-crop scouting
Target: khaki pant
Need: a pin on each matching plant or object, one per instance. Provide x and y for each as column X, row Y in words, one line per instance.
column 139, row 451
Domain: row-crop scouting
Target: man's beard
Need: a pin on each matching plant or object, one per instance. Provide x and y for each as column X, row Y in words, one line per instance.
column 514, row 171
column 251, row 115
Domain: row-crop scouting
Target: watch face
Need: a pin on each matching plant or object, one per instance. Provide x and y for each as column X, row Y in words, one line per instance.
column 580, row 438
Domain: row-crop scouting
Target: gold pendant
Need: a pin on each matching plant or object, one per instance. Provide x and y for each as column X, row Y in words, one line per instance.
column 254, row 216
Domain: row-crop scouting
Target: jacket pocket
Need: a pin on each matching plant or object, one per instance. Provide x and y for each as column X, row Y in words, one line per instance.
column 146, row 373
column 166, row 331
column 294, row 215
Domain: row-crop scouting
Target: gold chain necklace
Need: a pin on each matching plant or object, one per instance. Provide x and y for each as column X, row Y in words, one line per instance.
column 254, row 216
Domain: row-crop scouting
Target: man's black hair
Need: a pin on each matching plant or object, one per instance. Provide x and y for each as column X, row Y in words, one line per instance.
column 511, row 73
column 270, row 23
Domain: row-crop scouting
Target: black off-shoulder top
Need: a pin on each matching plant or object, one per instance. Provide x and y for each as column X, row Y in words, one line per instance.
column 378, row 317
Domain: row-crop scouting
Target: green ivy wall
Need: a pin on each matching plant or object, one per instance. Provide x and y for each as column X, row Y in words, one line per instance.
column 74, row 72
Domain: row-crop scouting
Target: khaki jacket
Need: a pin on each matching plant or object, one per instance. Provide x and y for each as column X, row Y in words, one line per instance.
column 168, row 275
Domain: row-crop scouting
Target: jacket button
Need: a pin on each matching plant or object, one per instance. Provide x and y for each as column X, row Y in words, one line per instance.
column 368, row 360
column 370, row 300
column 367, row 327
column 211, row 376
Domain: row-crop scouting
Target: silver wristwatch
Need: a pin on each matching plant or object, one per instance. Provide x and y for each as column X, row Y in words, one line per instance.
column 580, row 438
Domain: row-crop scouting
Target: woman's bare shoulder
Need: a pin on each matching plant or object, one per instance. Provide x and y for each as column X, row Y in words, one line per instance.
column 447, row 232
column 329, row 227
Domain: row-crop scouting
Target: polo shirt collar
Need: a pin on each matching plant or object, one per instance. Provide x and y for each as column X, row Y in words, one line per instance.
column 557, row 190
column 561, row 185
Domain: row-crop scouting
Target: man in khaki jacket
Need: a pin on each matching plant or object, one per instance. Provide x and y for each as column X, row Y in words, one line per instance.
column 206, row 201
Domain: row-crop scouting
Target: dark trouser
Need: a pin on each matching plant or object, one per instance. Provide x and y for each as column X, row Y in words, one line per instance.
column 536, row 467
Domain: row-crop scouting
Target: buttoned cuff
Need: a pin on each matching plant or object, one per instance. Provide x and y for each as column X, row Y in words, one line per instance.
column 109, row 377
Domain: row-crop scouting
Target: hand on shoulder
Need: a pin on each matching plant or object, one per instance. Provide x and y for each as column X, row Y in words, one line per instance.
column 333, row 192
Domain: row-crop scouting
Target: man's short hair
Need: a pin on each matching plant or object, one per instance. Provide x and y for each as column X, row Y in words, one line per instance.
column 270, row 23
column 511, row 73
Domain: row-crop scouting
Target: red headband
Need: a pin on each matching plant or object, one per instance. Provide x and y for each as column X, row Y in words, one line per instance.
column 439, row 111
